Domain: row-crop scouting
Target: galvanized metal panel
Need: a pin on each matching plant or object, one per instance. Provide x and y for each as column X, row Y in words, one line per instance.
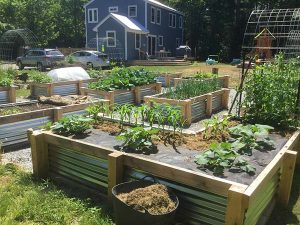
column 265, row 196
column 123, row 98
column 4, row 97
column 40, row 91
column 147, row 92
column 78, row 167
column 217, row 103
column 15, row 133
column 63, row 90
column 198, row 110
column 196, row 206
column 162, row 79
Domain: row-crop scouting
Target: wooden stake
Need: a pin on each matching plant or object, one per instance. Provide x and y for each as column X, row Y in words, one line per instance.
column 115, row 171
column 57, row 114
column 209, row 104
column 286, row 180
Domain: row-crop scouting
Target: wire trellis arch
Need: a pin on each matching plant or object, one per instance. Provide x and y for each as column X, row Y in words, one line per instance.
column 14, row 43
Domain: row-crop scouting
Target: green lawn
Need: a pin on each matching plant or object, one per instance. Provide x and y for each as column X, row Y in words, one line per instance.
column 22, row 92
column 24, row 200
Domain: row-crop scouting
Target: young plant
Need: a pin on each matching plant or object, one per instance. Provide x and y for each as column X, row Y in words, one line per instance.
column 174, row 118
column 138, row 139
column 94, row 110
column 143, row 111
column 75, row 124
column 216, row 127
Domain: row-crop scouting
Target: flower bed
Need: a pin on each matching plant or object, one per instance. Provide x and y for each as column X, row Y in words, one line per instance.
column 58, row 88
column 13, row 127
column 167, row 79
column 203, row 198
column 195, row 108
column 7, row 95
column 133, row 96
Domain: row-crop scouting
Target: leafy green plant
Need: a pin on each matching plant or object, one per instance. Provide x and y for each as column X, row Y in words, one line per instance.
column 192, row 88
column 7, row 77
column 70, row 59
column 201, row 75
column 10, row 111
column 95, row 109
column 38, row 77
column 124, row 78
column 75, row 124
column 138, row 139
column 216, row 127
column 98, row 74
column 223, row 156
column 272, row 92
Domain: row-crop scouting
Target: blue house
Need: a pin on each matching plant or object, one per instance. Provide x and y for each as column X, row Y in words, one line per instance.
column 133, row 29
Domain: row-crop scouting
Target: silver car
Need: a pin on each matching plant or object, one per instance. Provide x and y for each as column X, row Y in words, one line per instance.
column 92, row 59
column 41, row 58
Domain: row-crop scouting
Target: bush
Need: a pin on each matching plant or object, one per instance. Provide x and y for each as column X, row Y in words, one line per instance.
column 7, row 77
column 38, row 77
column 271, row 93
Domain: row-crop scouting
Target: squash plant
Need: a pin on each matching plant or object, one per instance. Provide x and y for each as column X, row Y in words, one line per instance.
column 75, row 124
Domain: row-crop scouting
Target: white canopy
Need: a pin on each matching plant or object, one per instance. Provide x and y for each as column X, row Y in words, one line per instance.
column 68, row 74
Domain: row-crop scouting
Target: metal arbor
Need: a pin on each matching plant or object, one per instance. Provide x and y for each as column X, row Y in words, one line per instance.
column 283, row 25
column 14, row 43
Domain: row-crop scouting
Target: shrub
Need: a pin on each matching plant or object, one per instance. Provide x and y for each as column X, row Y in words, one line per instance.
column 7, row 77
column 271, row 93
column 38, row 77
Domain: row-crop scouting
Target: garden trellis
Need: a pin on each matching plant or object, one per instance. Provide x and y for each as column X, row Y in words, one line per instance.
column 269, row 32
column 14, row 43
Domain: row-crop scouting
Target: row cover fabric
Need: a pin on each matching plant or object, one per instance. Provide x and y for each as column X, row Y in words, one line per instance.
column 68, row 74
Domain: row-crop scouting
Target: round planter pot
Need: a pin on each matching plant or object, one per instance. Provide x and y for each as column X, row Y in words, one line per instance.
column 125, row 215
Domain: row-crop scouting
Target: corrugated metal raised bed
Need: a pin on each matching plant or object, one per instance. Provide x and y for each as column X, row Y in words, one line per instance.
column 7, row 95
column 204, row 199
column 58, row 88
column 223, row 80
column 167, row 79
column 195, row 108
column 134, row 96
column 13, row 128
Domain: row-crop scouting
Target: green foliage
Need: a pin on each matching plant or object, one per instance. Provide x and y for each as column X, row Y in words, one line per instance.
column 216, row 127
column 98, row 74
column 138, row 139
column 7, row 77
column 75, row 124
column 222, row 156
column 38, row 77
column 192, row 88
column 70, row 59
column 26, row 200
column 95, row 109
column 124, row 78
column 272, row 92
column 9, row 111
column 201, row 75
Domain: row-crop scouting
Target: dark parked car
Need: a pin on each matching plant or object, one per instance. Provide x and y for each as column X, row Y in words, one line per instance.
column 41, row 58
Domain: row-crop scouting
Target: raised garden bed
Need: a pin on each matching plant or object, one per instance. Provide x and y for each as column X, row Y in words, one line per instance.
column 59, row 88
column 7, row 95
column 167, row 79
column 195, row 108
column 204, row 198
column 134, row 96
column 13, row 127
column 223, row 81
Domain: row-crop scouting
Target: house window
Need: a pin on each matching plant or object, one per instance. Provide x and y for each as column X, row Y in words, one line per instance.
column 111, row 38
column 113, row 9
column 153, row 14
column 132, row 11
column 93, row 15
column 160, row 40
column 137, row 41
column 180, row 22
column 158, row 16
column 178, row 42
column 172, row 20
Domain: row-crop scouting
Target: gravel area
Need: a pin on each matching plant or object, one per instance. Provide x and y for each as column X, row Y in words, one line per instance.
column 20, row 157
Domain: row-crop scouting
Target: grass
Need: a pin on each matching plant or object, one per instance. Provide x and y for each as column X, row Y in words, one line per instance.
column 224, row 69
column 22, row 92
column 24, row 200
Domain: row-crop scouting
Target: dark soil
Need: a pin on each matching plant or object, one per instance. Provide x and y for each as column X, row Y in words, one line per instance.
column 154, row 199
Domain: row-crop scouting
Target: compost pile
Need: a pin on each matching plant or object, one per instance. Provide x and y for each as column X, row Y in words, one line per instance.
column 63, row 101
column 155, row 199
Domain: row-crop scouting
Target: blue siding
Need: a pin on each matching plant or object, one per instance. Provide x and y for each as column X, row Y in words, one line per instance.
column 132, row 52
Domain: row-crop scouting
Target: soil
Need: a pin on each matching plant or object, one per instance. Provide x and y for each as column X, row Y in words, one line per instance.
column 182, row 154
column 154, row 199
column 24, row 108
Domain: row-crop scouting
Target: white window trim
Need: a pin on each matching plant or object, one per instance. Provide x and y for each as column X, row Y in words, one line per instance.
column 115, row 38
column 173, row 18
column 180, row 22
column 112, row 7
column 160, row 44
column 158, row 10
column 130, row 6
column 93, row 10
column 154, row 15
column 140, row 41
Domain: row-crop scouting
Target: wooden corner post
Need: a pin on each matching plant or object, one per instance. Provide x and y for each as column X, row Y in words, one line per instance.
column 57, row 114
column 137, row 95
column 209, row 104
column 115, row 171
column 226, row 81
column 12, row 94
column 39, row 152
column 79, row 86
column 237, row 205
column 158, row 87
column 286, row 180
column 225, row 98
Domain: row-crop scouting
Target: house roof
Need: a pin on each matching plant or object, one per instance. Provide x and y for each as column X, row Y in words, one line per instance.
column 157, row 3
column 129, row 24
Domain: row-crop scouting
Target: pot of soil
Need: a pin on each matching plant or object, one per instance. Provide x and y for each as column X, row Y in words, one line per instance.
column 144, row 203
